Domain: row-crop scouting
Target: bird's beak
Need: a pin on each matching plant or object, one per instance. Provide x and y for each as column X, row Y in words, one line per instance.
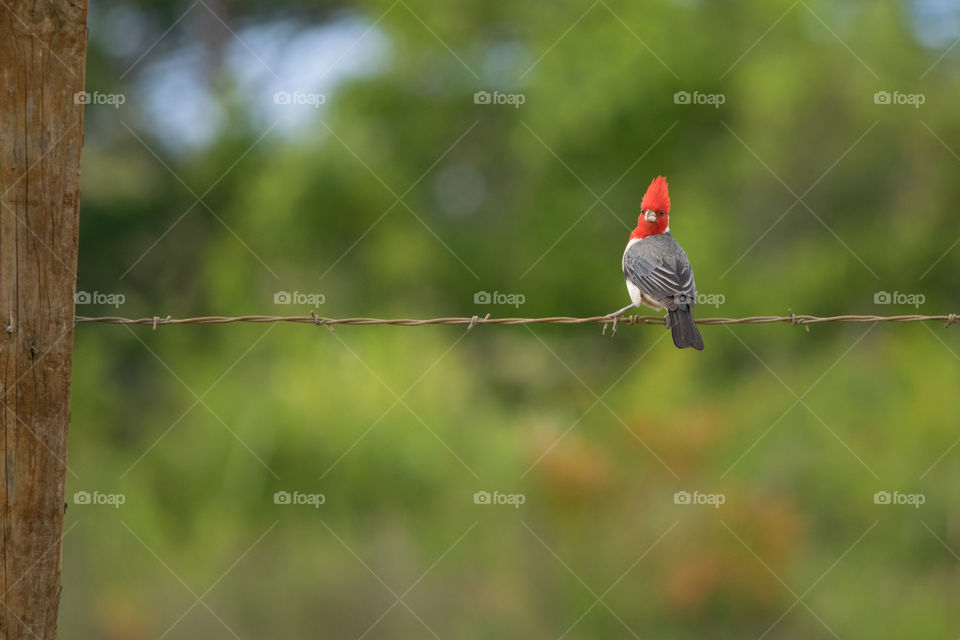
column 650, row 215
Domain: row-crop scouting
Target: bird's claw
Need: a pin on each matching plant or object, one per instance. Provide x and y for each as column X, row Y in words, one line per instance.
column 615, row 318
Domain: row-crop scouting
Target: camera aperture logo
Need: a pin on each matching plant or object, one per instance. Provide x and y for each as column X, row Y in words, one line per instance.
column 485, row 497
column 912, row 99
column 912, row 499
column 885, row 297
column 497, row 297
column 296, row 498
column 85, row 297
column 297, row 98
column 712, row 499
column 299, row 297
column 713, row 99
column 96, row 498
column 496, row 97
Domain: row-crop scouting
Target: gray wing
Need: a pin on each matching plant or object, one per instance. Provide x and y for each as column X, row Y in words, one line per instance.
column 659, row 267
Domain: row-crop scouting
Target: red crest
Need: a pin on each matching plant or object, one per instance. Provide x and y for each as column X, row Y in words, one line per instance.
column 656, row 197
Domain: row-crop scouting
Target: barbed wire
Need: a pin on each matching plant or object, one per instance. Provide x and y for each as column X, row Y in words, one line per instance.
column 472, row 321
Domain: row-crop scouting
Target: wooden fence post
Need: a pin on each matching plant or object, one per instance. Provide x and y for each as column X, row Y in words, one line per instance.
column 42, row 65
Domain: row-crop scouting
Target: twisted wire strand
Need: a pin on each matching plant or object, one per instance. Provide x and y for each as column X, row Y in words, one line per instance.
column 472, row 321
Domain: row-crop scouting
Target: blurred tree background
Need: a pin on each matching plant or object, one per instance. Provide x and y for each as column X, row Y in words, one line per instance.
column 337, row 151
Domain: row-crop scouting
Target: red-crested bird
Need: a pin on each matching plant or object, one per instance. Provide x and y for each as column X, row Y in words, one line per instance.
column 657, row 270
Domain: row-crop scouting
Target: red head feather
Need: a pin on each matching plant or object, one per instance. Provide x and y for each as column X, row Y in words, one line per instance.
column 656, row 197
column 657, row 200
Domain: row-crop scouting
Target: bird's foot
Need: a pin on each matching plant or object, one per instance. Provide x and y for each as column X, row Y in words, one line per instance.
column 614, row 318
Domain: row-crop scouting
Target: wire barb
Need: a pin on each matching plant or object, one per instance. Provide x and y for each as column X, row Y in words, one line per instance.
column 475, row 319
column 317, row 320
column 797, row 321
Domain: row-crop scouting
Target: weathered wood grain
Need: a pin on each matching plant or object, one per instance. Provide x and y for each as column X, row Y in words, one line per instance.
column 42, row 64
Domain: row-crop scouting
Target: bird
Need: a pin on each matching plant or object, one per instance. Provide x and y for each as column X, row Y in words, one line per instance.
column 657, row 271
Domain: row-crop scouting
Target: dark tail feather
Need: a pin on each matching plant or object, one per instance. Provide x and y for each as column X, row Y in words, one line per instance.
column 684, row 330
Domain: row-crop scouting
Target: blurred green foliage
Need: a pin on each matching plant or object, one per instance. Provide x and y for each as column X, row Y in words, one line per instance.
column 400, row 196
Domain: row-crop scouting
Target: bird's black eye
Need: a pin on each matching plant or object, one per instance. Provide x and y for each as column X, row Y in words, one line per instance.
column 660, row 213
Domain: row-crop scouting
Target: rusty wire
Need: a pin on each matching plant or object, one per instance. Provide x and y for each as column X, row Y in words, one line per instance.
column 472, row 321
